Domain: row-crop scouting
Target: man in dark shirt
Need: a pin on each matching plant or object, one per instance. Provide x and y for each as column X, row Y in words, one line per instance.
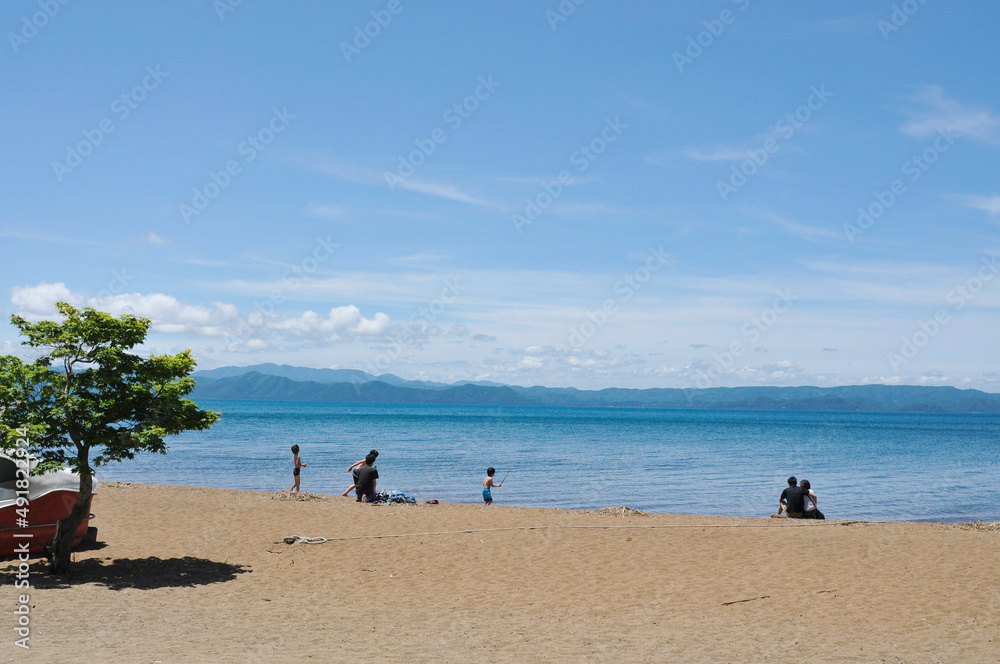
column 367, row 475
column 791, row 500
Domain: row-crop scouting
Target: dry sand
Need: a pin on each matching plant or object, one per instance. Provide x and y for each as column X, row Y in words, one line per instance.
column 201, row 575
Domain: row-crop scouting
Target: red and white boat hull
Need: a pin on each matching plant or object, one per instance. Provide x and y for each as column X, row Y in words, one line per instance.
column 51, row 497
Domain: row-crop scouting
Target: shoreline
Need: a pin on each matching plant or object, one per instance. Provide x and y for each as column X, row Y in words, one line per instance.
column 649, row 464
column 191, row 574
column 125, row 483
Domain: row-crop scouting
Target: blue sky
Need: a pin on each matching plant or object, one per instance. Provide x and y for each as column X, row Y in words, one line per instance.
column 638, row 194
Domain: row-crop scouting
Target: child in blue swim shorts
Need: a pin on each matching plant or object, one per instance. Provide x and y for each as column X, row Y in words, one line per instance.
column 488, row 484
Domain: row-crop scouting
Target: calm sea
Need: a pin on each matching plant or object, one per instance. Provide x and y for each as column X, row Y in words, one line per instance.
column 875, row 466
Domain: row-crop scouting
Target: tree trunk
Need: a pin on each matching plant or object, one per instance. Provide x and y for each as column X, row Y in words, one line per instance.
column 62, row 545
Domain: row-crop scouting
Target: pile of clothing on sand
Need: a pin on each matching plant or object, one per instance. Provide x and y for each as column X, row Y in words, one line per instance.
column 391, row 497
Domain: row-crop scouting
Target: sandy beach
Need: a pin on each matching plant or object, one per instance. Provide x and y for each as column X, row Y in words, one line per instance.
column 183, row 574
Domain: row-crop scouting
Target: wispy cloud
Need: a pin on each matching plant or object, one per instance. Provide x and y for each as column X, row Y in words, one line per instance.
column 206, row 262
column 990, row 204
column 158, row 240
column 937, row 112
column 343, row 171
column 589, row 209
column 804, row 231
column 50, row 239
column 325, row 211
column 420, row 259
column 448, row 192
column 710, row 155
column 718, row 154
column 372, row 177
column 333, row 211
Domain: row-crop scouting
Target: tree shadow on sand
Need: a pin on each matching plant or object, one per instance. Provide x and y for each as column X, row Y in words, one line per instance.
column 139, row 573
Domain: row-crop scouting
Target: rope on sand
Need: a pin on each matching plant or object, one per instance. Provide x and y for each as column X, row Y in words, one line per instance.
column 297, row 539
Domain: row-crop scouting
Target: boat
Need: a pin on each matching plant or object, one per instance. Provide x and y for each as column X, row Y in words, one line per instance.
column 50, row 498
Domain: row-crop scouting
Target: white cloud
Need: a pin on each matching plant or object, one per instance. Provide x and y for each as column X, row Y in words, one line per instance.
column 339, row 324
column 40, row 300
column 882, row 380
column 531, row 362
column 446, row 191
column 153, row 238
column 369, row 176
column 939, row 113
column 218, row 319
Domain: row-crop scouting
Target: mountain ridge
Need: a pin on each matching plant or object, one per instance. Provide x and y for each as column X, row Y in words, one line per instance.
column 226, row 383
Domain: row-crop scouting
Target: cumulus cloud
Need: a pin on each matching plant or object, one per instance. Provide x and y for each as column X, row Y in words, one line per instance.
column 339, row 324
column 529, row 362
column 41, row 300
column 217, row 319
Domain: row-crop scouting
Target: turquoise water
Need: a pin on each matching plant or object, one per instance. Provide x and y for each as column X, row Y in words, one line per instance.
column 875, row 466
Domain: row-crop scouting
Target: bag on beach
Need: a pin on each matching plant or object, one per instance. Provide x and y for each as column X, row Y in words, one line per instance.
column 808, row 503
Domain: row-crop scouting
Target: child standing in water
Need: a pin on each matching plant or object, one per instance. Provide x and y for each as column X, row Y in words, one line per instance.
column 488, row 484
column 298, row 467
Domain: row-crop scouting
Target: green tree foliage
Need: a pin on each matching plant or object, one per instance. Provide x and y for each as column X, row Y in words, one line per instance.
column 99, row 398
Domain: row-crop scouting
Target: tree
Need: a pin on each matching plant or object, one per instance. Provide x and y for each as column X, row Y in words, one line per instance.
column 102, row 399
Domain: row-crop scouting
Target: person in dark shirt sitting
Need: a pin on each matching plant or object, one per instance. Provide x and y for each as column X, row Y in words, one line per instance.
column 367, row 475
column 791, row 500
column 811, row 511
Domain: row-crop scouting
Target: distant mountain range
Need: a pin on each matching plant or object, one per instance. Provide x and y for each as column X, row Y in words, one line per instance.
column 287, row 383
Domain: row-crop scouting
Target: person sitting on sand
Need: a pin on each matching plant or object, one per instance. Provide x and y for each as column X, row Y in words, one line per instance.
column 488, row 484
column 809, row 497
column 298, row 467
column 367, row 475
column 791, row 500
column 353, row 469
